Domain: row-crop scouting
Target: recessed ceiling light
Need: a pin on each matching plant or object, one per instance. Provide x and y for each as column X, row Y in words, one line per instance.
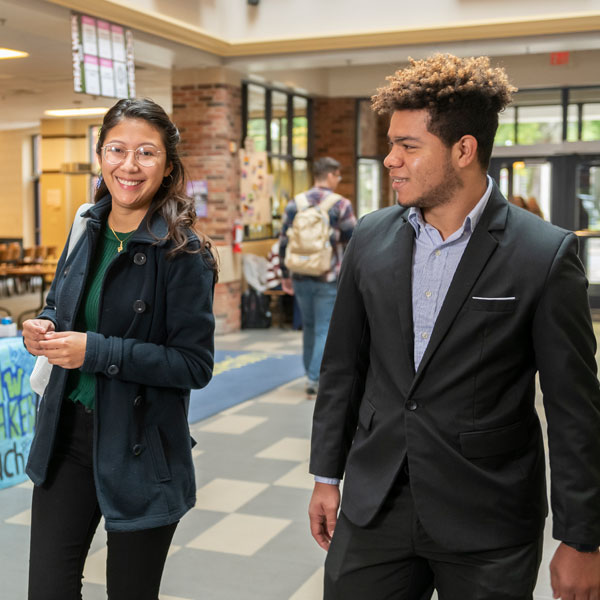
column 76, row 112
column 8, row 53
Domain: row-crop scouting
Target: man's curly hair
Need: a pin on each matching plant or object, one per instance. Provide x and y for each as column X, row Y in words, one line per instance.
column 463, row 97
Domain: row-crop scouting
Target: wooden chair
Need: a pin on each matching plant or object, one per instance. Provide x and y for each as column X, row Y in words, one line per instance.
column 40, row 253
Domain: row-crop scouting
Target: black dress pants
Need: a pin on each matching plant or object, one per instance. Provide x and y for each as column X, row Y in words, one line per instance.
column 64, row 517
column 394, row 559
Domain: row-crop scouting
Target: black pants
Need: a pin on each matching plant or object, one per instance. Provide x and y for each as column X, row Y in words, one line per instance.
column 395, row 559
column 64, row 517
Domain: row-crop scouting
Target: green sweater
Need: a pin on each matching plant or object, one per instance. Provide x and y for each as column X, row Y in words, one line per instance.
column 81, row 387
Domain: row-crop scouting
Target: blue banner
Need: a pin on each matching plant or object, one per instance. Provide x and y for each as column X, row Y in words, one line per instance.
column 17, row 410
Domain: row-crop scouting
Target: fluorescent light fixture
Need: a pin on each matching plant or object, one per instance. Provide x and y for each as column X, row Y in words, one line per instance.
column 76, row 112
column 8, row 53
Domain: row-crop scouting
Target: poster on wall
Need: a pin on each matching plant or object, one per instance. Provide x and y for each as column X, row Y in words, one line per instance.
column 102, row 53
column 256, row 188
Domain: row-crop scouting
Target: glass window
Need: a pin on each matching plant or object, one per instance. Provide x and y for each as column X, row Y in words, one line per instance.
column 302, row 178
column 279, row 123
column 592, row 259
column 539, row 124
column 256, row 126
column 572, row 123
column 300, row 127
column 588, row 196
column 368, row 185
column 505, row 136
column 504, row 183
column 282, row 184
column 288, row 159
column 590, row 130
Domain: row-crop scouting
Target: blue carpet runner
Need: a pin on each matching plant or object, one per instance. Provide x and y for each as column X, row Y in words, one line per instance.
column 240, row 376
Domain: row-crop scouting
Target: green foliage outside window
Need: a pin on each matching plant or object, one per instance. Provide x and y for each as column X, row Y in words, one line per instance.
column 590, row 131
column 505, row 133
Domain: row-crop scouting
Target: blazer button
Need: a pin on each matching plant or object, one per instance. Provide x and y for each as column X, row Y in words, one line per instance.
column 137, row 449
column 66, row 271
column 112, row 370
column 139, row 258
column 138, row 401
column 411, row 405
column 139, row 306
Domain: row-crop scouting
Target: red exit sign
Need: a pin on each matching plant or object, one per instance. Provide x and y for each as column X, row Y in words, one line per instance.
column 559, row 58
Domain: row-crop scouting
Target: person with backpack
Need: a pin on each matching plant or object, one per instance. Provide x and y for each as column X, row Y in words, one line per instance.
column 317, row 226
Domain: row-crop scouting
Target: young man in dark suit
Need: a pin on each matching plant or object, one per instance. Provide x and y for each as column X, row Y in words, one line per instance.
column 448, row 305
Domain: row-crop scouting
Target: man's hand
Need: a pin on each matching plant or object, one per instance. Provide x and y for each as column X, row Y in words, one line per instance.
column 64, row 348
column 322, row 512
column 287, row 287
column 575, row 575
column 34, row 331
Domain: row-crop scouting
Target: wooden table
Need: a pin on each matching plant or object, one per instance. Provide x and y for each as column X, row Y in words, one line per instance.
column 23, row 272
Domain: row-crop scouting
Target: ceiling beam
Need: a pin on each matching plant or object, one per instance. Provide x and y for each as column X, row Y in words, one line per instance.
column 178, row 31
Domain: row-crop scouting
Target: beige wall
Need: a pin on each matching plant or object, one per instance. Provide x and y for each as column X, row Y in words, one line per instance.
column 63, row 140
column 525, row 71
column 16, row 188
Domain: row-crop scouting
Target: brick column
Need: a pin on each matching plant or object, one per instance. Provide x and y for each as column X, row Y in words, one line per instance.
column 335, row 136
column 207, row 111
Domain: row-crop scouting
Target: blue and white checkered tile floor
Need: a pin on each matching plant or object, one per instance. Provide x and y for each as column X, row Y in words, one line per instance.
column 248, row 536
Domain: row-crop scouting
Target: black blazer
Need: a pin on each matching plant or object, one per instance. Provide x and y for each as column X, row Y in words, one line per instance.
column 466, row 420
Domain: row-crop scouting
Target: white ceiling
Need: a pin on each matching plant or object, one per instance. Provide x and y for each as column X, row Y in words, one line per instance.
column 44, row 80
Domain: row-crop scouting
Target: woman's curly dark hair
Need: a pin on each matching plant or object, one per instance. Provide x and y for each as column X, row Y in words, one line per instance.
column 463, row 97
column 171, row 200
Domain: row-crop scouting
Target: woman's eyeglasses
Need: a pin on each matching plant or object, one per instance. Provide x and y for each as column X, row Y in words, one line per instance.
column 145, row 156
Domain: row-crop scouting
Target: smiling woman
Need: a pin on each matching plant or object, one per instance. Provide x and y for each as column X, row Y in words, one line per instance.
column 128, row 328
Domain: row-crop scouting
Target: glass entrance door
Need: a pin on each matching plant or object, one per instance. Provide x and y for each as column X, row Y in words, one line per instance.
column 587, row 218
column 526, row 182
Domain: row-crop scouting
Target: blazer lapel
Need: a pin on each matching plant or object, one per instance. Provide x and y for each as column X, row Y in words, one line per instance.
column 478, row 251
column 402, row 281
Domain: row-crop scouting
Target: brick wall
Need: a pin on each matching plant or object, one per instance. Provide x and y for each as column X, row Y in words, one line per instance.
column 209, row 119
column 335, row 136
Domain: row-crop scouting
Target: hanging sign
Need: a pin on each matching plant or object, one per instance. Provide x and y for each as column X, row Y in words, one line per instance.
column 102, row 54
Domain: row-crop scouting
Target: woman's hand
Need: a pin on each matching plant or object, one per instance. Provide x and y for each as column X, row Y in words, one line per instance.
column 34, row 331
column 64, row 348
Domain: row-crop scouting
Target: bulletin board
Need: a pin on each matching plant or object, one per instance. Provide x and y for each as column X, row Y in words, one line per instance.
column 256, row 188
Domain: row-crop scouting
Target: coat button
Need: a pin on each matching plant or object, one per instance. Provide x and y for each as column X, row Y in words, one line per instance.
column 137, row 449
column 112, row 370
column 138, row 401
column 411, row 405
column 66, row 271
column 139, row 306
column 139, row 258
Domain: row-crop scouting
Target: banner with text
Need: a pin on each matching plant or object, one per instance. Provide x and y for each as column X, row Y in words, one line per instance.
column 17, row 410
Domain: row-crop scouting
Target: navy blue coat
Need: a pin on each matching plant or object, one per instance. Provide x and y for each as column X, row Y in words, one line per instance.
column 154, row 343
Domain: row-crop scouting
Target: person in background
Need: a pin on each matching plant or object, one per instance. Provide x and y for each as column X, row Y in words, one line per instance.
column 274, row 274
column 534, row 207
column 450, row 303
column 128, row 326
column 316, row 295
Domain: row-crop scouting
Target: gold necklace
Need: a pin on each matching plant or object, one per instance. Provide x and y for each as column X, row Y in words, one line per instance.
column 121, row 241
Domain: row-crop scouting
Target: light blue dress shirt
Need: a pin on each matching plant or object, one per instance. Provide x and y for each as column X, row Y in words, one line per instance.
column 434, row 263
